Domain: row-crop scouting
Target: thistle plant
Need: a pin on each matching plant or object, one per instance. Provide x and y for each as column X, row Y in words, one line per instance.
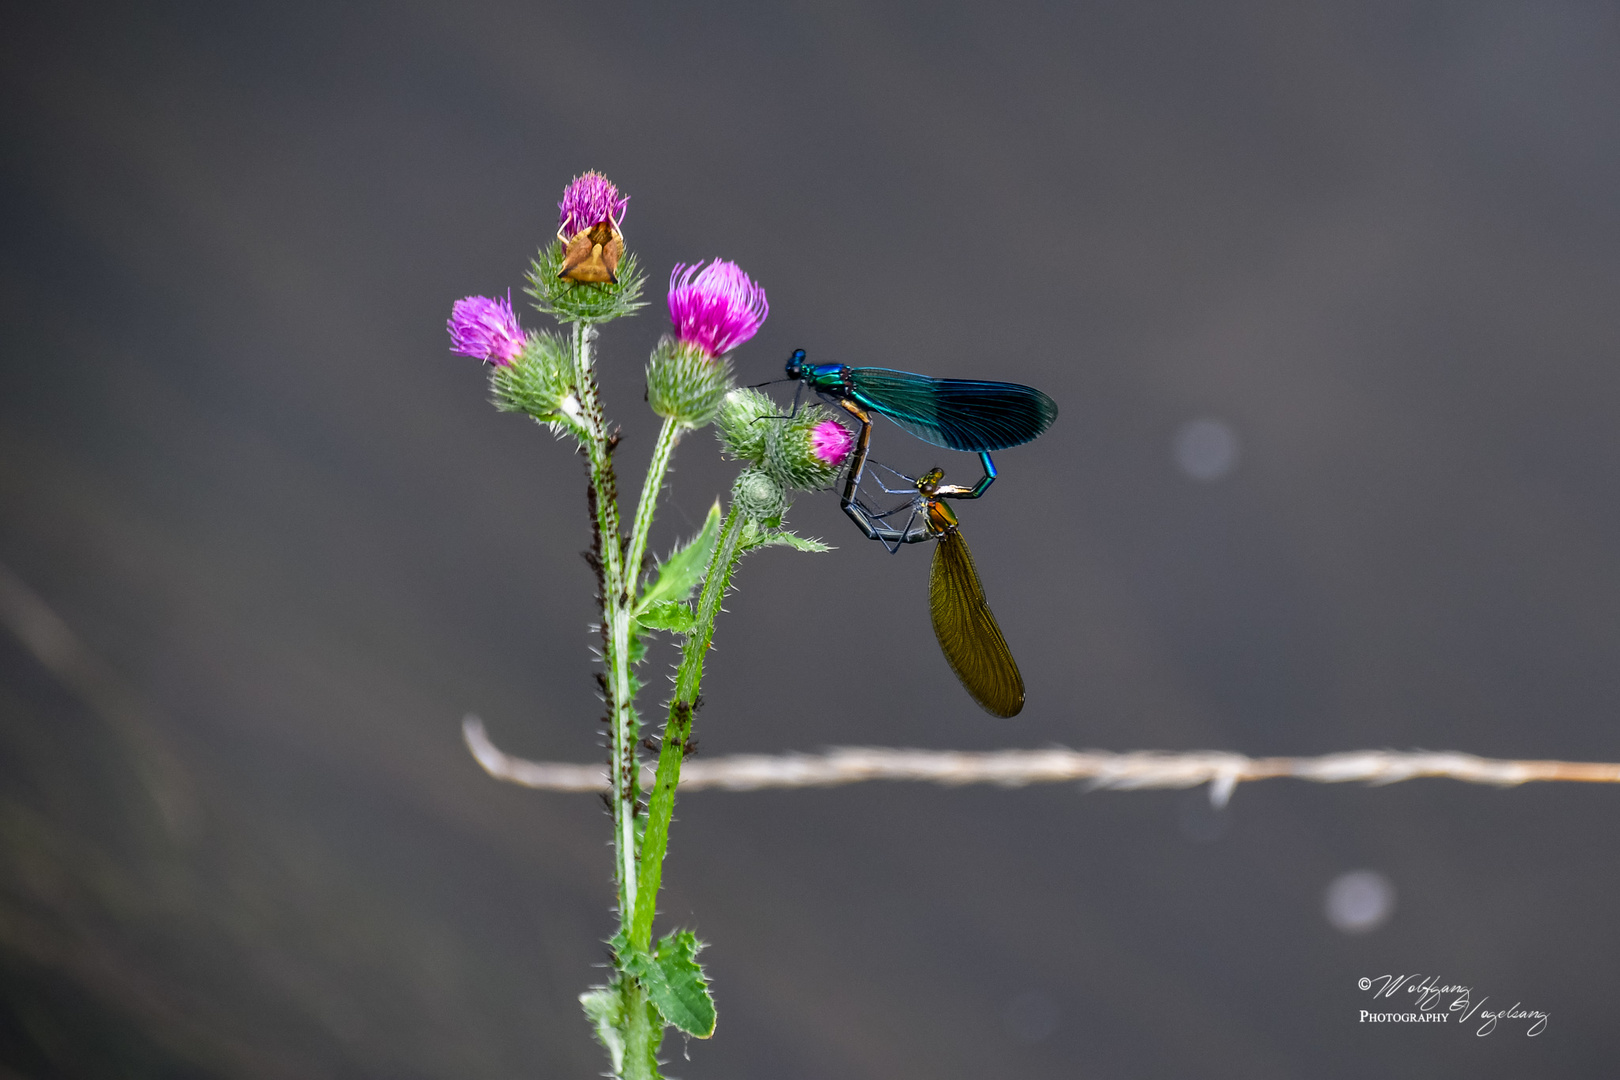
column 583, row 279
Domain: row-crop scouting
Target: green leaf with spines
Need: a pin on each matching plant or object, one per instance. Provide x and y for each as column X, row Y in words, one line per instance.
column 783, row 538
column 683, row 570
column 769, row 533
column 674, row 980
column 672, row 615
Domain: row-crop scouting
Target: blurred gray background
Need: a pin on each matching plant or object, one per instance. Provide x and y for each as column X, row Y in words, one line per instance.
column 1327, row 296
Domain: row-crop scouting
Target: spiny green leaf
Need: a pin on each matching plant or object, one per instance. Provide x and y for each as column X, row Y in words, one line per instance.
column 670, row 615
column 677, row 960
column 783, row 538
column 679, row 574
column 675, row 982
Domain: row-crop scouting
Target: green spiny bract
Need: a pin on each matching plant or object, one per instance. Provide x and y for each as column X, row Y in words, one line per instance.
column 790, row 451
column 573, row 301
column 752, row 429
column 741, row 424
column 759, row 496
column 685, row 384
column 537, row 381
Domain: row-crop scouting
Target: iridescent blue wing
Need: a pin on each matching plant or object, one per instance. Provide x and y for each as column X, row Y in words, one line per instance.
column 967, row 631
column 959, row 414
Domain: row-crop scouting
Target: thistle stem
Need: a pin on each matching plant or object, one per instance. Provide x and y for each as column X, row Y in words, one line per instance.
column 615, row 619
column 663, row 450
column 688, row 680
column 642, row 1035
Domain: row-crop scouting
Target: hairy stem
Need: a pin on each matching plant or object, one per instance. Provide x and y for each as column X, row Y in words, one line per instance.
column 688, row 680
column 615, row 619
column 642, row 1034
column 663, row 450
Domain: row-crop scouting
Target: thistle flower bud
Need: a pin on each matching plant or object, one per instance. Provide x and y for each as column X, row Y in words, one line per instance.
column 831, row 442
column 716, row 307
column 590, row 200
column 741, row 424
column 485, row 329
column 587, row 275
column 588, row 225
column 686, row 384
column 806, row 450
column 538, row 381
column 759, row 496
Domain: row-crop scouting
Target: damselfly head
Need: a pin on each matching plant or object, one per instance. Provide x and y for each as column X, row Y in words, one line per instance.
column 928, row 482
column 795, row 364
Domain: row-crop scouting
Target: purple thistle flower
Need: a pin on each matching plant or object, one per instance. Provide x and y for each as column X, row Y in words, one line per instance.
column 589, row 201
column 485, row 329
column 830, row 441
column 715, row 307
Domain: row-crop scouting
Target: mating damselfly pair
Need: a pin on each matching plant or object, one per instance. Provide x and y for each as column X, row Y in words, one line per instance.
column 958, row 414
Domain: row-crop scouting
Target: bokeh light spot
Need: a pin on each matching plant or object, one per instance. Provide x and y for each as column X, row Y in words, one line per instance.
column 1206, row 449
column 1359, row 901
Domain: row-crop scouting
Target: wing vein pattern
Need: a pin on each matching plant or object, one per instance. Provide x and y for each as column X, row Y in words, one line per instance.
column 959, row 414
column 967, row 631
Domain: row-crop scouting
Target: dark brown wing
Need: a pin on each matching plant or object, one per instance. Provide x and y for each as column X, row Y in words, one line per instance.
column 967, row 631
